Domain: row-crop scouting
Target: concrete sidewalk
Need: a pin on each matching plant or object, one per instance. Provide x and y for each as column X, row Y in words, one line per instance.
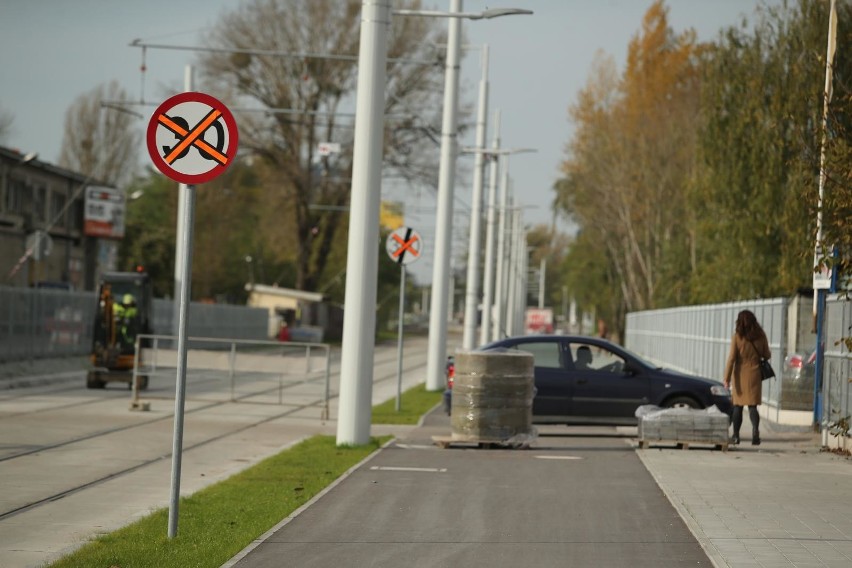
column 783, row 503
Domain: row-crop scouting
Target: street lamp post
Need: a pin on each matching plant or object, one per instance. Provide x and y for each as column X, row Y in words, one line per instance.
column 356, row 364
column 353, row 425
column 472, row 289
column 436, row 353
column 488, row 272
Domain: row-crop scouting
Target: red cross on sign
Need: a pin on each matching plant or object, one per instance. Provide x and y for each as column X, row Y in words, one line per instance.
column 404, row 245
column 192, row 138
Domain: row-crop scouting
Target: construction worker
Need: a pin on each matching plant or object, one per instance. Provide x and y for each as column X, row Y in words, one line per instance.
column 125, row 315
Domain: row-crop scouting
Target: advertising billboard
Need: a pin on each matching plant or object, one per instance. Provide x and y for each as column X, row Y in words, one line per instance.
column 104, row 212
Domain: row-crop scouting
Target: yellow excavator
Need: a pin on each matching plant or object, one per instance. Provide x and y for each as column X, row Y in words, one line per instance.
column 123, row 312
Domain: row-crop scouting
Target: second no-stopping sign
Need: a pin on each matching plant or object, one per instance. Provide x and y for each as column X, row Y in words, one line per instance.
column 192, row 138
column 404, row 245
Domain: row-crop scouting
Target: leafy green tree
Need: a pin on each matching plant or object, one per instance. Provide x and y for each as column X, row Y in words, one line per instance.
column 149, row 239
column 629, row 164
column 759, row 153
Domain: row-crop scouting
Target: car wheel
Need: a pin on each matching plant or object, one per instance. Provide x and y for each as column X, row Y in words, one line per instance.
column 682, row 402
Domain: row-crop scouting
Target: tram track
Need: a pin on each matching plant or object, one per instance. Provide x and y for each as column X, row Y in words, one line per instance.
column 80, row 487
column 385, row 365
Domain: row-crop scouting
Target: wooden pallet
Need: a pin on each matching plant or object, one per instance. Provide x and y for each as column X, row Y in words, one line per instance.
column 445, row 442
column 681, row 444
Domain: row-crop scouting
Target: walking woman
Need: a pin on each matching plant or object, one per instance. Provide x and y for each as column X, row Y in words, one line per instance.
column 748, row 345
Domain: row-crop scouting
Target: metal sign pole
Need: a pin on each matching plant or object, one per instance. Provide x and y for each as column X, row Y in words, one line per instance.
column 399, row 337
column 180, row 387
column 403, row 246
column 178, row 148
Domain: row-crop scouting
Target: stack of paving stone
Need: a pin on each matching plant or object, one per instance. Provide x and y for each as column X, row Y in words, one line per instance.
column 492, row 397
column 683, row 425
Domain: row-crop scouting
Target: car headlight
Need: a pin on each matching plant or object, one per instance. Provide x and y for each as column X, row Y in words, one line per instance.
column 719, row 390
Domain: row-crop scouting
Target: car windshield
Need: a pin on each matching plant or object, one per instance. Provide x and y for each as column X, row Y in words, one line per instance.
column 641, row 360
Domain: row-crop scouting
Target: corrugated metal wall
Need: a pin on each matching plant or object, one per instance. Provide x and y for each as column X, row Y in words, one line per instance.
column 39, row 323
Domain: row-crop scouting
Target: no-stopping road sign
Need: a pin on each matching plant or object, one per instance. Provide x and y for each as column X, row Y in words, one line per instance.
column 192, row 138
column 404, row 245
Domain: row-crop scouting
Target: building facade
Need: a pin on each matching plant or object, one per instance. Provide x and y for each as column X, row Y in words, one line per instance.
column 58, row 228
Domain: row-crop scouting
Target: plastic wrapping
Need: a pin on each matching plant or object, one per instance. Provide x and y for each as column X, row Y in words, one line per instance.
column 492, row 397
column 654, row 412
column 708, row 425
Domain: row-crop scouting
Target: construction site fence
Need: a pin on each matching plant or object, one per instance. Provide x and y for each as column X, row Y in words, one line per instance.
column 39, row 323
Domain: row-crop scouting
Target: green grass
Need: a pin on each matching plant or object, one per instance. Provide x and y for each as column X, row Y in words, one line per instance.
column 222, row 519
column 414, row 403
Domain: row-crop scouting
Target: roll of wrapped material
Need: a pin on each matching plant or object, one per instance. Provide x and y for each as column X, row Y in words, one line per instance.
column 492, row 396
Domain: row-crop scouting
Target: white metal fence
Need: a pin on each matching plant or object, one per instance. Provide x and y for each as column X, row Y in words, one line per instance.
column 696, row 339
column 264, row 372
column 837, row 373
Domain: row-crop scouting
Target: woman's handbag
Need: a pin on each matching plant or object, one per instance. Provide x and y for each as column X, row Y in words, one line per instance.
column 766, row 370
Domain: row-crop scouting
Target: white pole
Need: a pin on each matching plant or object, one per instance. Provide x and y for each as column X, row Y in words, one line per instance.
column 183, row 294
column 356, row 363
column 522, row 293
column 436, row 355
column 179, row 250
column 499, row 279
column 821, row 395
column 471, row 301
column 488, row 273
column 512, row 272
column 541, row 282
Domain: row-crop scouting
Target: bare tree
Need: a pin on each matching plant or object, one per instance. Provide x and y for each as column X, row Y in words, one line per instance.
column 98, row 141
column 6, row 119
column 303, row 88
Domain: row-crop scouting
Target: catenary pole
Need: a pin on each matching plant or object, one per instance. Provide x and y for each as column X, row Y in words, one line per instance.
column 490, row 228
column 437, row 344
column 472, row 287
column 356, row 386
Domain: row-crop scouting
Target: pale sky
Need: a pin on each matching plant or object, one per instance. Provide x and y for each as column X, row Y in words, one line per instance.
column 51, row 51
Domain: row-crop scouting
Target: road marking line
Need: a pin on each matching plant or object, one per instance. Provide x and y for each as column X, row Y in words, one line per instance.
column 559, row 457
column 423, row 469
column 414, row 447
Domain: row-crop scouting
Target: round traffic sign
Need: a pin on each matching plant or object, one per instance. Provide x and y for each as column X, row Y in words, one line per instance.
column 192, row 137
column 404, row 245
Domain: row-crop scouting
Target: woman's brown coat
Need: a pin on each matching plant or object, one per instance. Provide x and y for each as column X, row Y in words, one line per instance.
column 743, row 369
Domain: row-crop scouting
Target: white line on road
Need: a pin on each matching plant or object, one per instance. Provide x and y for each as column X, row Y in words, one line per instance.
column 414, row 447
column 559, row 457
column 426, row 469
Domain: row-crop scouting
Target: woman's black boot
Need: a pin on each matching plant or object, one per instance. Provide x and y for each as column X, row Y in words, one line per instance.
column 755, row 425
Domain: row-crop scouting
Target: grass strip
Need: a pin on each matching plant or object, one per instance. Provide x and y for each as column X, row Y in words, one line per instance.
column 220, row 520
column 414, row 403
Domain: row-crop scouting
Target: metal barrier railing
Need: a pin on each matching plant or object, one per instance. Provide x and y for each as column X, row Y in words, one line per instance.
column 260, row 357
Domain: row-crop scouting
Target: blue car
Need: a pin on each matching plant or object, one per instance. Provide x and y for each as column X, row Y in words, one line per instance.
column 586, row 380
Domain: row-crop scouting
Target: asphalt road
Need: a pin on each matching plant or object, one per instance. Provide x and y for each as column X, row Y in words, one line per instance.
column 577, row 497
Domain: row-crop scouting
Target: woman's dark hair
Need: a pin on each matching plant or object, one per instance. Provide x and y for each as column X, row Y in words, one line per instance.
column 748, row 327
